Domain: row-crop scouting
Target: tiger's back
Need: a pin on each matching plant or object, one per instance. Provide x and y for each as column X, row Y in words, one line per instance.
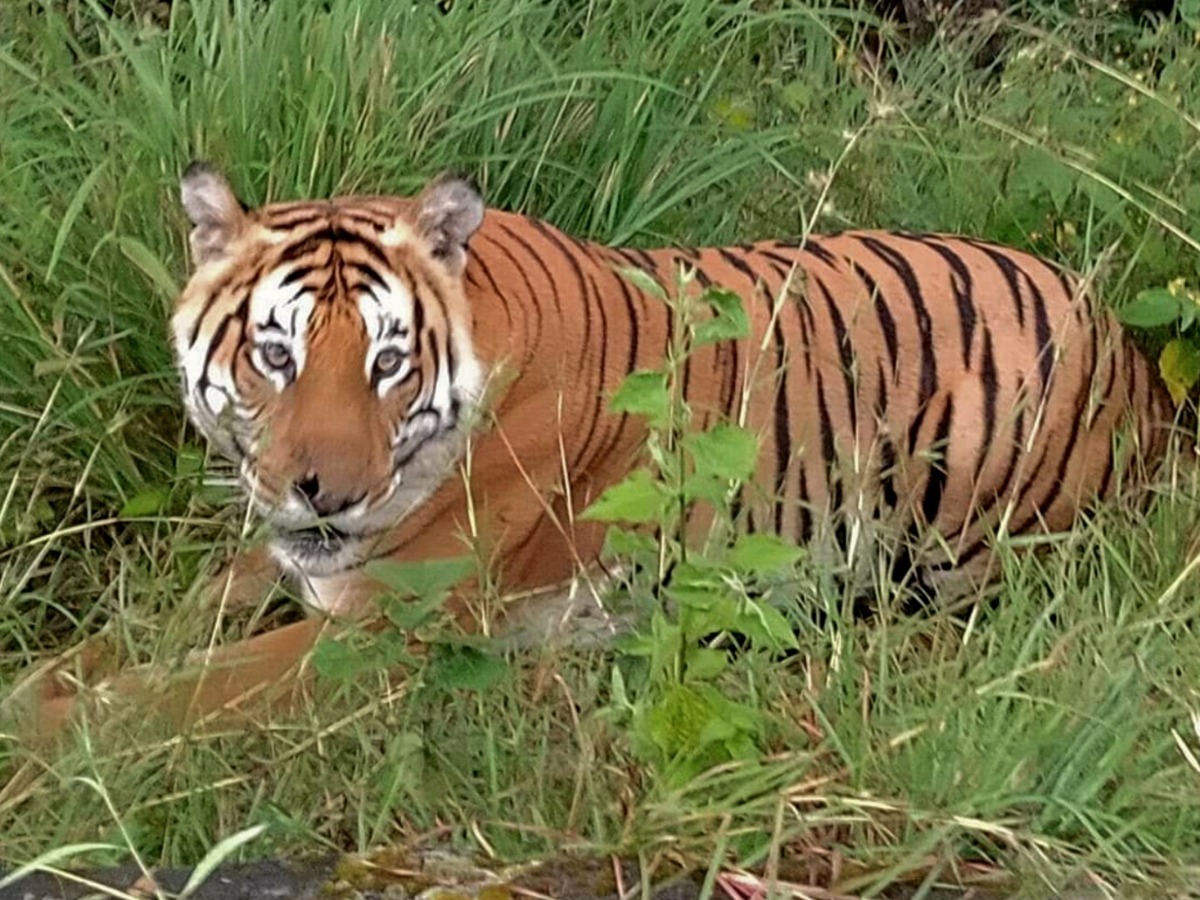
column 937, row 389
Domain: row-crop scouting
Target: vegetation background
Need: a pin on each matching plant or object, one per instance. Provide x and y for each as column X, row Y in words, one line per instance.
column 1053, row 736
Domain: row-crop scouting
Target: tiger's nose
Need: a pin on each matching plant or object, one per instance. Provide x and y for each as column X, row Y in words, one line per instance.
column 323, row 502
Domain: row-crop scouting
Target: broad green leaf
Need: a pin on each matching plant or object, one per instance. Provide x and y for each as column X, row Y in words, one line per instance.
column 765, row 624
column 644, row 394
column 189, row 461
column 144, row 503
column 678, row 719
column 797, row 96
column 735, row 112
column 705, row 664
column 1038, row 171
column 763, row 553
column 1179, row 364
column 336, row 660
column 620, row 542
column 466, row 668
column 639, row 498
column 719, row 614
column 408, row 615
column 424, row 579
column 644, row 282
column 728, row 322
column 726, row 451
column 664, row 651
column 1152, row 308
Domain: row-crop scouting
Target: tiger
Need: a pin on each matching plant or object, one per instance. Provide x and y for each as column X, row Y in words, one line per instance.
column 397, row 376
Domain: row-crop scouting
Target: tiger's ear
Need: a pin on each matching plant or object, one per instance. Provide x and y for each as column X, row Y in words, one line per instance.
column 216, row 214
column 451, row 210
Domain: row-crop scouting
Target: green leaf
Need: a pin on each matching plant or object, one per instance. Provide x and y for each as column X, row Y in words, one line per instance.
column 644, row 394
column 74, row 208
column 1179, row 364
column 466, row 668
column 728, row 322
column 735, row 112
column 765, row 624
column 763, row 553
column 644, row 282
column 151, row 266
column 425, row 579
column 409, row 615
column 726, row 451
column 620, row 542
column 221, row 851
column 705, row 664
column 1152, row 308
column 664, row 651
column 144, row 503
column 797, row 96
column 676, row 722
column 639, row 498
column 1038, row 171
column 337, row 660
column 189, row 461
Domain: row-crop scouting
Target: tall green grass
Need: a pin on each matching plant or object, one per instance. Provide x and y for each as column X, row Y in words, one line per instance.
column 1049, row 736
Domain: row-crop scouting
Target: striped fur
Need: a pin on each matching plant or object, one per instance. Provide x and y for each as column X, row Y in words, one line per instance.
column 906, row 381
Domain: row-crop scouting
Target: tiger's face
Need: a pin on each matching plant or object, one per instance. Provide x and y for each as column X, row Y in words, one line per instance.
column 324, row 347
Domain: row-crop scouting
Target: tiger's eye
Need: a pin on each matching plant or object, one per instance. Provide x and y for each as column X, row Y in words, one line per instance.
column 277, row 356
column 388, row 362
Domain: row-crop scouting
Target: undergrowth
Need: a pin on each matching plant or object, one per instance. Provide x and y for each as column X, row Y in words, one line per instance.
column 1051, row 735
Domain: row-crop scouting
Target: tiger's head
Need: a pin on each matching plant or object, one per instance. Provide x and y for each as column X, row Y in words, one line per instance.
column 325, row 348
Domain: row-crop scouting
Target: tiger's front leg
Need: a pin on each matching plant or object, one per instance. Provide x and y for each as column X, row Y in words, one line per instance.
column 245, row 678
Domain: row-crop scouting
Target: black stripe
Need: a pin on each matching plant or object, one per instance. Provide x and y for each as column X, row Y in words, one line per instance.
column 887, row 323
column 1078, row 409
column 631, row 360
column 964, row 293
column 783, row 437
column 804, row 522
column 582, row 284
column 785, row 262
column 1010, row 272
column 1018, row 448
column 731, row 383
column 939, row 471
column 833, row 480
column 1041, row 330
column 816, row 248
column 295, row 219
column 533, row 305
column 991, row 388
column 887, row 450
column 367, row 271
column 237, row 316
column 701, row 276
column 845, row 351
column 898, row 264
column 541, row 263
column 601, row 396
column 298, row 273
column 739, row 264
